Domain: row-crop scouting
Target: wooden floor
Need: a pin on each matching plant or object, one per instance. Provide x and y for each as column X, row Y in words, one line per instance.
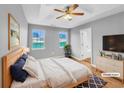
column 112, row 82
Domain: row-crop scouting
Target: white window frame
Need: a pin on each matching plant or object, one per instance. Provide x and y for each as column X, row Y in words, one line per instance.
column 65, row 39
column 41, row 30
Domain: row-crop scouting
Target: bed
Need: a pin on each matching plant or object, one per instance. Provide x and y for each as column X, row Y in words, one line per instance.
column 56, row 73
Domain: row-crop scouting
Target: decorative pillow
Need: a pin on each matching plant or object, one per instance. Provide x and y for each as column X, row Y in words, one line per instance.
column 24, row 56
column 18, row 74
column 32, row 67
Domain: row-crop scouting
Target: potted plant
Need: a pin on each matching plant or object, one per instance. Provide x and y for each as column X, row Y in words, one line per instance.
column 67, row 49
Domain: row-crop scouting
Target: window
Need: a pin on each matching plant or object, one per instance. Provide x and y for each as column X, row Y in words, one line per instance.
column 62, row 39
column 38, row 39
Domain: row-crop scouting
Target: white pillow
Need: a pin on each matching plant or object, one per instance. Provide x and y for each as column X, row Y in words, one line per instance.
column 32, row 67
column 32, row 58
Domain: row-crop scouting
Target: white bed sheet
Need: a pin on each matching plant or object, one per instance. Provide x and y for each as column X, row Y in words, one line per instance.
column 30, row 82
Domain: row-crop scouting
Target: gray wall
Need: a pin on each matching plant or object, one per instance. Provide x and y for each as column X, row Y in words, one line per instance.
column 106, row 26
column 17, row 12
column 51, row 42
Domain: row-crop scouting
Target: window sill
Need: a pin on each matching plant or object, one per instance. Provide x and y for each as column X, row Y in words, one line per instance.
column 61, row 47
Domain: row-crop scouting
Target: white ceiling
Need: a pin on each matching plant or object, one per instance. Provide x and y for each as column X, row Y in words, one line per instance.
column 44, row 14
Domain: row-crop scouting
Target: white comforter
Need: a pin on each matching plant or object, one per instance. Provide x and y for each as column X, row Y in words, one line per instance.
column 56, row 72
column 61, row 71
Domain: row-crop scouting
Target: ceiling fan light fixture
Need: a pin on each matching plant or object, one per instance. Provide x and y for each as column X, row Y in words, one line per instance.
column 68, row 17
column 68, row 12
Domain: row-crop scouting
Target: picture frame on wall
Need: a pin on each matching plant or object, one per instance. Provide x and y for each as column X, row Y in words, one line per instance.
column 13, row 33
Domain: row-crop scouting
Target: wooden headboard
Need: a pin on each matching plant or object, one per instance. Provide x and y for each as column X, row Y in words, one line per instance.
column 7, row 61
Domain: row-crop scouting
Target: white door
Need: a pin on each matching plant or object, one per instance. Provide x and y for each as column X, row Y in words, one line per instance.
column 86, row 43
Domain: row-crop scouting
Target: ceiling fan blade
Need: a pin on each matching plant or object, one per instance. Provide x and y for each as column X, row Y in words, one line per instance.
column 73, row 7
column 77, row 14
column 59, row 10
column 60, row 16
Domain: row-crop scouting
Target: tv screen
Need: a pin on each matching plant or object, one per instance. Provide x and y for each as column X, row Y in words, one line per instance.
column 113, row 43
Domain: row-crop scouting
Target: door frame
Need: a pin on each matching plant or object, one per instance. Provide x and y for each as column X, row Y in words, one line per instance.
column 81, row 30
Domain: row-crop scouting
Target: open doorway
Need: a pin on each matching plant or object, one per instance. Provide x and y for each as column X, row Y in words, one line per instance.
column 86, row 45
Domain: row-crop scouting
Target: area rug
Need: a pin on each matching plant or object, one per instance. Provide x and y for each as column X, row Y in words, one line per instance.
column 93, row 82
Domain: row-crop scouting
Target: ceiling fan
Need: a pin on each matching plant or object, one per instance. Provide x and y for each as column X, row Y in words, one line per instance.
column 68, row 12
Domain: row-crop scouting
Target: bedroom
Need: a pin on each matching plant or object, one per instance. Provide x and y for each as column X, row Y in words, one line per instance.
column 41, row 20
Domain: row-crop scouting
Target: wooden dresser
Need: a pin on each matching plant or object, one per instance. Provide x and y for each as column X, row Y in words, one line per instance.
column 110, row 65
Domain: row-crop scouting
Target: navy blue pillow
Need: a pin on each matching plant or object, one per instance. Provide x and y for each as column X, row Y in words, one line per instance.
column 18, row 74
column 24, row 56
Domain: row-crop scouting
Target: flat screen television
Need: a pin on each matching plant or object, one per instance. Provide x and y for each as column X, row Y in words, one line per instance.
column 113, row 43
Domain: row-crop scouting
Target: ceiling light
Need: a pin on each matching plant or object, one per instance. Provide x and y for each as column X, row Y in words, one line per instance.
column 68, row 17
